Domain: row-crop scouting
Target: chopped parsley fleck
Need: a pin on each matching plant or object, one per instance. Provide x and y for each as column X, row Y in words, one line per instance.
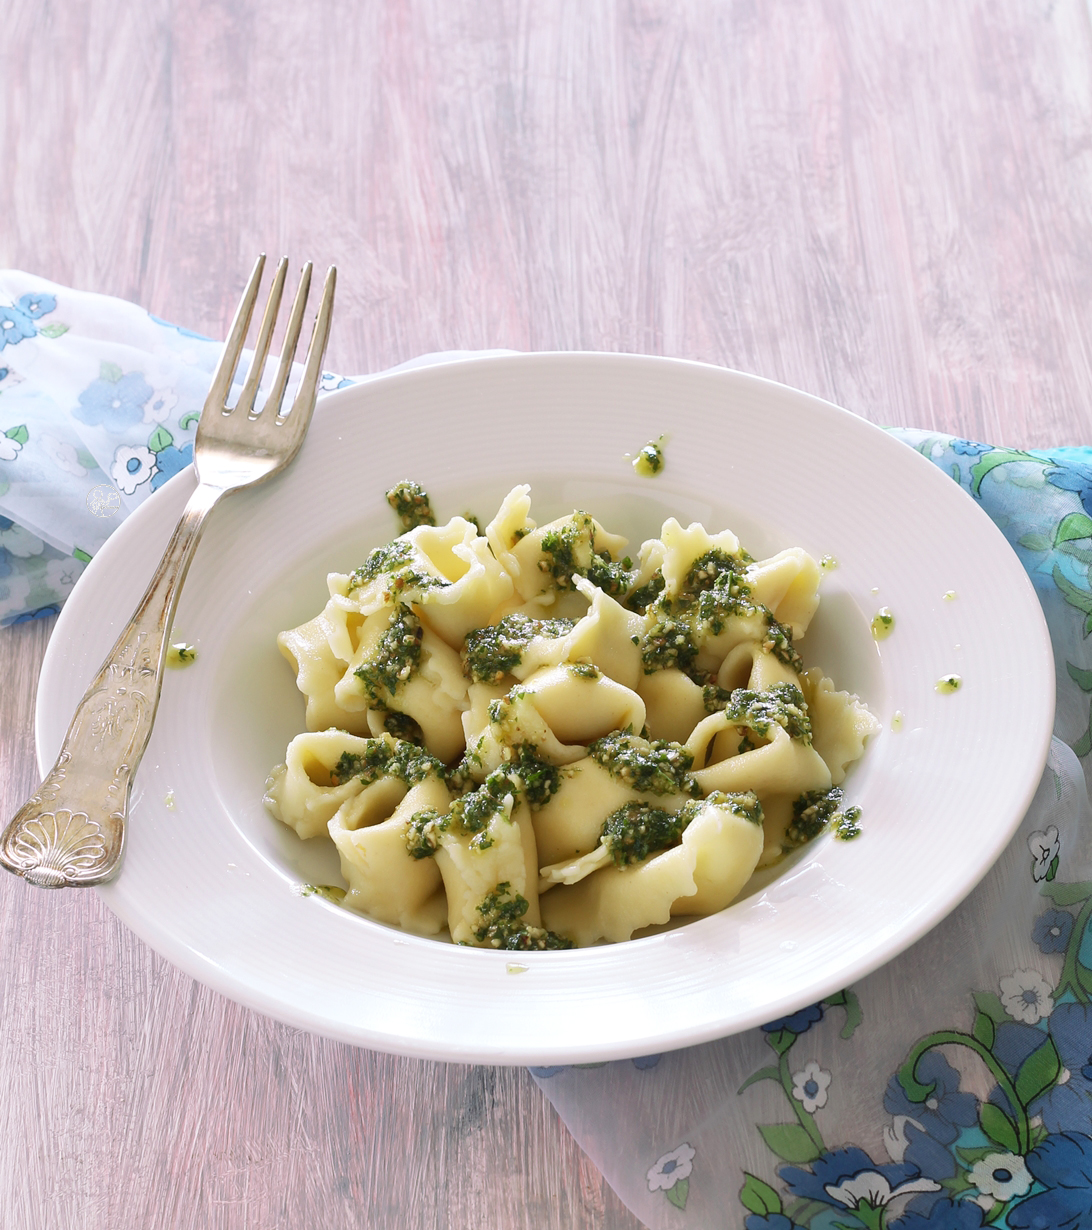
column 650, row 766
column 491, row 652
column 396, row 657
column 502, row 912
column 412, row 505
column 380, row 758
column 758, row 712
column 817, row 810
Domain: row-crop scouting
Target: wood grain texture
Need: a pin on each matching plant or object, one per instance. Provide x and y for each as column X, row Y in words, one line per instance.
column 884, row 202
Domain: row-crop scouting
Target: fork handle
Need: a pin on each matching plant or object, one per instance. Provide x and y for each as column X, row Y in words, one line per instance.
column 72, row 831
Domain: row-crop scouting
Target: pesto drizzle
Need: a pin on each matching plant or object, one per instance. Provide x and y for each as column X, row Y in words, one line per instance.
column 502, row 912
column 817, row 810
column 569, row 551
column 397, row 655
column 758, row 712
column 649, row 766
column 411, row 503
column 494, row 651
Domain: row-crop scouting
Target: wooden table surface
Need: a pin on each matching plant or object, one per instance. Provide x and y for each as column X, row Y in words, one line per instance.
column 887, row 203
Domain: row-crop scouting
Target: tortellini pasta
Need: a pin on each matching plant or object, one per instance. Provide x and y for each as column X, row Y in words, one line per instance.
column 533, row 740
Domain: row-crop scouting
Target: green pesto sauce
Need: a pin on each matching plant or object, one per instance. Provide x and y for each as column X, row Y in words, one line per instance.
column 330, row 892
column 570, row 551
column 394, row 561
column 883, row 624
column 402, row 726
column 181, row 654
column 897, row 720
column 811, row 813
column 583, row 670
column 847, row 826
column 714, row 697
column 818, row 810
column 715, row 568
column 947, row 684
column 744, row 804
column 502, row 924
column 396, row 658
column 636, row 830
column 405, row 760
column 714, row 590
column 644, row 596
column 650, row 460
column 648, row 766
column 537, row 780
column 668, row 642
column 828, row 563
column 492, row 652
column 950, row 595
column 758, row 712
column 411, row 504
column 778, row 641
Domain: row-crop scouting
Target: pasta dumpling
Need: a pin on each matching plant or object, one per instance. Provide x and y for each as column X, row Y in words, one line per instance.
column 528, row 739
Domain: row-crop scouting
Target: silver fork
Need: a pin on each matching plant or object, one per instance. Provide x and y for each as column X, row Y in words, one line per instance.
column 72, row 832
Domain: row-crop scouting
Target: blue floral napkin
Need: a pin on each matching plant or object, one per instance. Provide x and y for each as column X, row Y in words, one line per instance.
column 953, row 1087
column 950, row 1089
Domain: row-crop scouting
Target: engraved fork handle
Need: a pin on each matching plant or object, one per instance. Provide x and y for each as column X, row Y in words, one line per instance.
column 72, row 831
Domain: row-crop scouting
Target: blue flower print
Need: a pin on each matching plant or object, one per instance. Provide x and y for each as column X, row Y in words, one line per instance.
column 170, row 461
column 931, row 1126
column 1074, row 477
column 114, row 404
column 1052, row 930
column 15, row 326
column 542, row 1073
column 1068, row 1104
column 36, row 306
column 848, row 1178
column 43, row 612
column 798, row 1022
column 1063, row 1165
column 970, row 448
column 646, row 1061
column 945, row 1214
column 768, row 1221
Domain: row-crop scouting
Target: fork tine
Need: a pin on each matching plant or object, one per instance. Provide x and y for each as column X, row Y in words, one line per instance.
column 316, row 351
column 265, row 336
column 233, row 347
column 291, row 339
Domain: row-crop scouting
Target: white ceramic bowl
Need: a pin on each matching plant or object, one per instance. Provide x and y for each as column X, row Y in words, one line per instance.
column 213, row 883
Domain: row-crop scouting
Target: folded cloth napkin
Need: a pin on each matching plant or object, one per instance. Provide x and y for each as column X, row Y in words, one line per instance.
column 952, row 1088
